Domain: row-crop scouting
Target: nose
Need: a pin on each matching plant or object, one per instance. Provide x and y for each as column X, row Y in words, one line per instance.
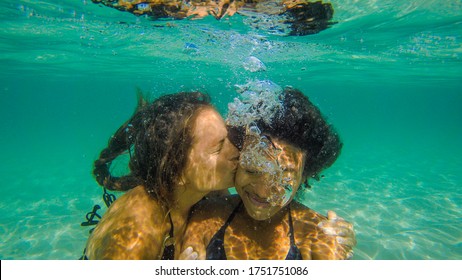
column 265, row 186
column 262, row 190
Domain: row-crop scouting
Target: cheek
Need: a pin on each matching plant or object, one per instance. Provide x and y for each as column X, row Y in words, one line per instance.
column 198, row 165
column 240, row 179
column 218, row 165
column 221, row 162
column 206, row 160
column 297, row 182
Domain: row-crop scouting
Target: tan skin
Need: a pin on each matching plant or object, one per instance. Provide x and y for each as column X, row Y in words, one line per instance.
column 260, row 230
column 136, row 226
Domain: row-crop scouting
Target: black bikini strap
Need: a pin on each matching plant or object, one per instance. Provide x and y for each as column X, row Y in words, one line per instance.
column 171, row 225
column 231, row 217
column 169, row 243
column 291, row 228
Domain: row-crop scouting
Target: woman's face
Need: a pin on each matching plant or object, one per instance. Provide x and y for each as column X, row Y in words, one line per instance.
column 212, row 159
column 268, row 175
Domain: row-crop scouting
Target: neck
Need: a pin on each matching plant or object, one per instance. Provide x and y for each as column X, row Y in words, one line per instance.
column 275, row 219
column 184, row 199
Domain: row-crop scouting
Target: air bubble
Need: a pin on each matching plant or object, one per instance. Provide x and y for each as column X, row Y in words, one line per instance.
column 259, row 100
column 253, row 64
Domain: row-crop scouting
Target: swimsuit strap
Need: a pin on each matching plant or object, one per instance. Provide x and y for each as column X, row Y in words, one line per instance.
column 291, row 229
column 294, row 252
column 171, row 225
column 222, row 230
column 169, row 250
column 231, row 217
column 216, row 248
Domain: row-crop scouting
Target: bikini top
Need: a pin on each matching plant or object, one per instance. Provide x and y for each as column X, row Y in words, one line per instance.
column 216, row 247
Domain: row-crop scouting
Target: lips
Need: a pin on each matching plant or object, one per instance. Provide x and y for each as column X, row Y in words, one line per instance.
column 257, row 201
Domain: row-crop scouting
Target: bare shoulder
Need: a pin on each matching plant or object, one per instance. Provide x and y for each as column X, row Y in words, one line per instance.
column 312, row 241
column 134, row 221
column 303, row 213
column 136, row 205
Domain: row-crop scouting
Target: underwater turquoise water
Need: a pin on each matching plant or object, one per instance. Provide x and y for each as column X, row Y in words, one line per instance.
column 388, row 75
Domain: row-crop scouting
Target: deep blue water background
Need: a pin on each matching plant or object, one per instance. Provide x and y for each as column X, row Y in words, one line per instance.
column 388, row 76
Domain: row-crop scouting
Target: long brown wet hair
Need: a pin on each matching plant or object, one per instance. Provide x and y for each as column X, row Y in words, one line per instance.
column 158, row 137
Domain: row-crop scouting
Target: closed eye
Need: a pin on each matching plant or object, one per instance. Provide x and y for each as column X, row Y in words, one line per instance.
column 252, row 172
column 288, row 169
column 219, row 147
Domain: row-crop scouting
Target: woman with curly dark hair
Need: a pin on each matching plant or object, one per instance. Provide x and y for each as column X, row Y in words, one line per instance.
column 278, row 156
column 179, row 152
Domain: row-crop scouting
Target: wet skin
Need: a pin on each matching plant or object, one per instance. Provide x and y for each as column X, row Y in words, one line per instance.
column 136, row 226
column 263, row 192
column 261, row 231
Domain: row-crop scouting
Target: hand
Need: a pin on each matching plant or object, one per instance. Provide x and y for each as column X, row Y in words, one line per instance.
column 341, row 229
column 188, row 254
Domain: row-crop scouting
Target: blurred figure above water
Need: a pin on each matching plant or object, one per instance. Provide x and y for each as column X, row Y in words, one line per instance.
column 281, row 17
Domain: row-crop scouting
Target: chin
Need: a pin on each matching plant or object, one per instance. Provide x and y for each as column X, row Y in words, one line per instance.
column 258, row 215
column 260, row 218
column 228, row 184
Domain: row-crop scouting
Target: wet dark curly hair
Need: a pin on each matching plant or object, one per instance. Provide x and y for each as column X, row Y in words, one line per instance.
column 158, row 137
column 299, row 123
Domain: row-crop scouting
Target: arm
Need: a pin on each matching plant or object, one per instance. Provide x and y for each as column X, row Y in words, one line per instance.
column 132, row 228
column 320, row 238
column 125, row 243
